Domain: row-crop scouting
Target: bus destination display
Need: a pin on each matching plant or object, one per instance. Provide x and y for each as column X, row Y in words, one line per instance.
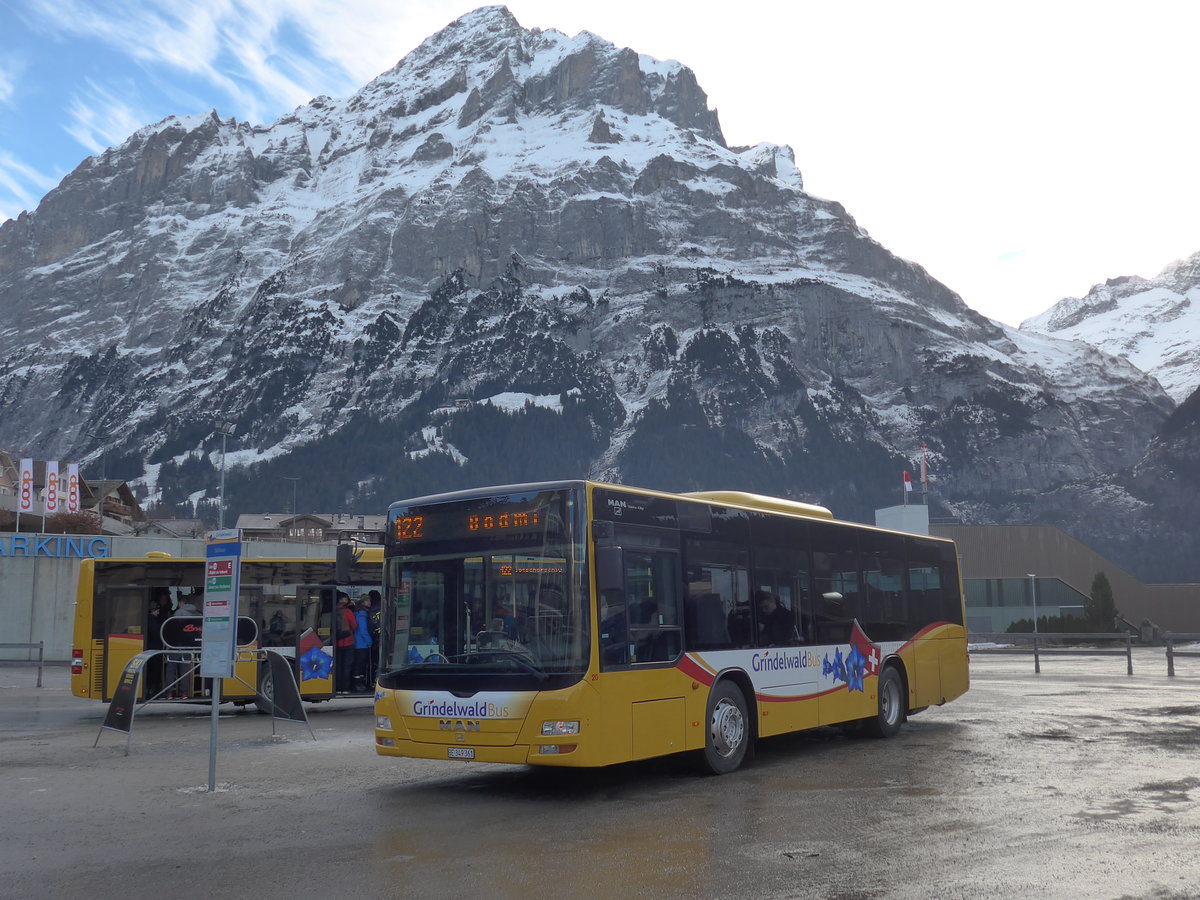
column 459, row 521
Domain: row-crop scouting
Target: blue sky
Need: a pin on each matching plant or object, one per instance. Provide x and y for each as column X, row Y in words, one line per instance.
column 1021, row 152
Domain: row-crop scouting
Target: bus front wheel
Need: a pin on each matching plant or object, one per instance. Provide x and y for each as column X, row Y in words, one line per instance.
column 728, row 733
column 887, row 721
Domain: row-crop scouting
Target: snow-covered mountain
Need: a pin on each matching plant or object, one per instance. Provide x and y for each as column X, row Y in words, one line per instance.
column 519, row 255
column 1155, row 323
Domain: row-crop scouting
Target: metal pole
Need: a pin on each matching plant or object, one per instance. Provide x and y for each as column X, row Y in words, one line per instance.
column 1129, row 654
column 212, row 742
column 221, row 511
column 1170, row 656
column 1033, row 594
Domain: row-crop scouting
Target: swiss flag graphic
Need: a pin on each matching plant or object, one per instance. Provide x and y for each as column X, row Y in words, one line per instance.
column 868, row 651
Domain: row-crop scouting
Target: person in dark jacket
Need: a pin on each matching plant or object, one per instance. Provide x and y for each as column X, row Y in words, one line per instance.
column 160, row 609
column 362, row 647
column 344, row 626
column 776, row 624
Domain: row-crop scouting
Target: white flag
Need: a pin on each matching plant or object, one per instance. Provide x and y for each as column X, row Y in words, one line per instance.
column 73, row 487
column 907, row 482
column 25, row 503
column 51, row 487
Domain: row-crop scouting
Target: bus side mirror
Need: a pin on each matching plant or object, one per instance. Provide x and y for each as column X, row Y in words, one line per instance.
column 610, row 571
column 342, row 563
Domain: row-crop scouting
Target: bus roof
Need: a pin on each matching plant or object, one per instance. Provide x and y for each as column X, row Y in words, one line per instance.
column 742, row 499
column 762, row 503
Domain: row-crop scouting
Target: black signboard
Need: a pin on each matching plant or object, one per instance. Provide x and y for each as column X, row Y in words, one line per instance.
column 278, row 693
column 183, row 632
column 120, row 709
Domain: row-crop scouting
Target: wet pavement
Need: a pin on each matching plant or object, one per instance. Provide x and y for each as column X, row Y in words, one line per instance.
column 1078, row 782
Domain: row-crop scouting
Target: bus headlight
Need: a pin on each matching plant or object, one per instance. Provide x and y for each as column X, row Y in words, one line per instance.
column 383, row 723
column 554, row 729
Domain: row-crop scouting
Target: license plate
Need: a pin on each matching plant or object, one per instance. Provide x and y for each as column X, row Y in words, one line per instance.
column 460, row 752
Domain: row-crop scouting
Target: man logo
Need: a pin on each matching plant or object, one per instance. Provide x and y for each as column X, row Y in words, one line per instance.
column 458, row 725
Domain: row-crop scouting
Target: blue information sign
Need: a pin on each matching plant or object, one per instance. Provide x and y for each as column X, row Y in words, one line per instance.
column 222, row 573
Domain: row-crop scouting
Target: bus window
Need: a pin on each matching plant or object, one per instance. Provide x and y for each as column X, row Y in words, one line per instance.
column 933, row 581
column 652, row 605
column 885, row 607
column 718, row 596
column 781, row 580
column 836, row 598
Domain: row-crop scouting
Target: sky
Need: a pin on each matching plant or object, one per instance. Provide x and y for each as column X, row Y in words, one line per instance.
column 1021, row 152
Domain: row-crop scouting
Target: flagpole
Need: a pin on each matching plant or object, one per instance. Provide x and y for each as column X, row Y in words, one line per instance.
column 924, row 475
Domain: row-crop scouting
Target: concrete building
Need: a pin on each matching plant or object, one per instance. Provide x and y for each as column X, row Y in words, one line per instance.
column 997, row 561
column 312, row 527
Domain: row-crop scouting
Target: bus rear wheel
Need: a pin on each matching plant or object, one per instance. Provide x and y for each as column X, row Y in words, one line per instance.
column 887, row 721
column 728, row 733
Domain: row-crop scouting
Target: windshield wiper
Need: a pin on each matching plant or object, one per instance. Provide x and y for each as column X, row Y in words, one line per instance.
column 522, row 661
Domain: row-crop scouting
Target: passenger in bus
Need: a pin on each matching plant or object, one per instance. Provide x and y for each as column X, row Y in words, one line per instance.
column 508, row 622
column 776, row 624
column 160, row 609
column 179, row 667
column 345, row 625
column 495, row 638
column 374, row 622
column 362, row 646
column 275, row 629
column 741, row 628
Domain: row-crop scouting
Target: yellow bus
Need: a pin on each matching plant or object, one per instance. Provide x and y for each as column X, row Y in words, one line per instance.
column 285, row 604
column 578, row 623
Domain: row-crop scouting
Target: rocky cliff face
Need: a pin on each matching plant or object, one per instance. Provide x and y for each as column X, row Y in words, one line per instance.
column 519, row 255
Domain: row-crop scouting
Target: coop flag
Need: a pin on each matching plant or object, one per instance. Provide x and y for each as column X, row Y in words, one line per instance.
column 25, row 503
column 73, row 487
column 51, row 487
column 907, row 482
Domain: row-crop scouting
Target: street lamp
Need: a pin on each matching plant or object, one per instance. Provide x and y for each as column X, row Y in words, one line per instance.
column 1033, row 593
column 225, row 429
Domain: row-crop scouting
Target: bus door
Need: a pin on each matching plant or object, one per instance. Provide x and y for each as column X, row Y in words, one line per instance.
column 305, row 627
column 121, row 613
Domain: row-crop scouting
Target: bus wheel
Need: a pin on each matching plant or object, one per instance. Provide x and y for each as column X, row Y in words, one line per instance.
column 266, row 686
column 890, row 717
column 728, row 733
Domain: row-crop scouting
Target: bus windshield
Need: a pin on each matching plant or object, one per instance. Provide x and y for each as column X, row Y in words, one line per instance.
column 486, row 585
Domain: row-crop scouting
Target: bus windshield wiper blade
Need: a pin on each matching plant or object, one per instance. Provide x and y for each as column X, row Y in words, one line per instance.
column 522, row 661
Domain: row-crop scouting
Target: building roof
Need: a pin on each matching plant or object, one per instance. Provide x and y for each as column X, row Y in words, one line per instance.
column 328, row 521
column 180, row 528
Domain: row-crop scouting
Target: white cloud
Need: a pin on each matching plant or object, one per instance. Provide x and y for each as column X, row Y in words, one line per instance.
column 21, row 186
column 8, row 82
column 101, row 118
column 247, row 50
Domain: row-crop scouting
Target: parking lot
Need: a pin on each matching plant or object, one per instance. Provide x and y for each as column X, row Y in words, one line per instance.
column 1078, row 782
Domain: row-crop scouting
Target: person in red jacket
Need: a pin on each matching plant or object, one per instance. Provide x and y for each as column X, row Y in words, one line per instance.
column 344, row 628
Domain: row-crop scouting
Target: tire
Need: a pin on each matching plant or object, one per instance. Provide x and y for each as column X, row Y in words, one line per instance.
column 266, row 683
column 728, row 735
column 891, row 714
column 265, row 700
